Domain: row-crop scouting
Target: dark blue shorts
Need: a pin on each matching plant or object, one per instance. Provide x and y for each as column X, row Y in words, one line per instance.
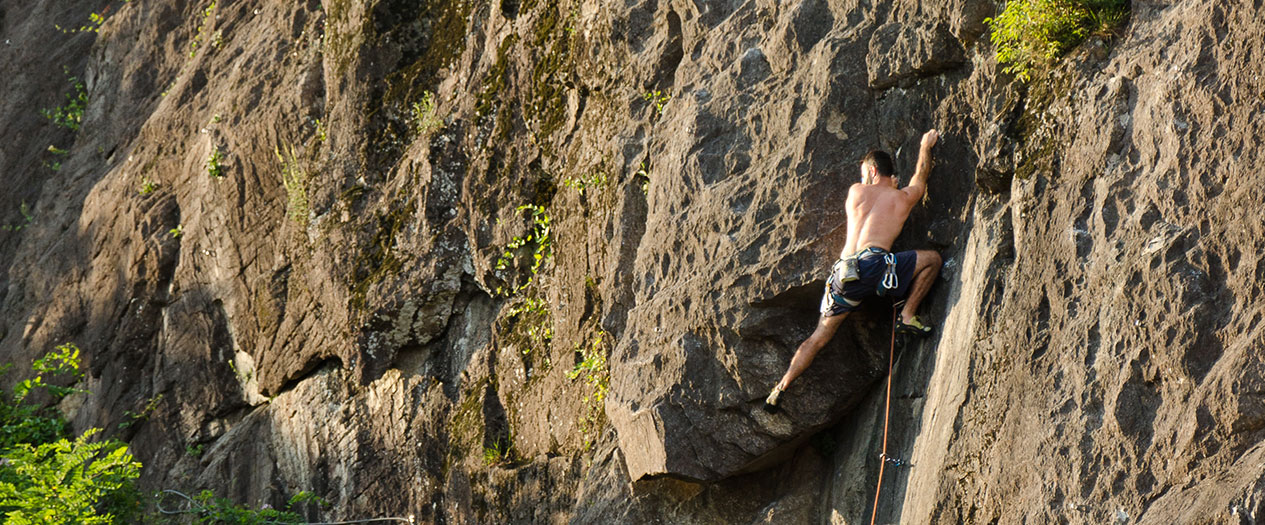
column 841, row 298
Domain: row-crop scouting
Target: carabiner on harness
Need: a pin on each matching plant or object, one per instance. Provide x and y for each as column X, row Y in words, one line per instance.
column 890, row 281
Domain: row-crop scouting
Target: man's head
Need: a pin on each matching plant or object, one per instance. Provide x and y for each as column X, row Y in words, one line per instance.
column 876, row 164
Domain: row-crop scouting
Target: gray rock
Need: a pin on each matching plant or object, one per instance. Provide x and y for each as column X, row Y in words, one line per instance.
column 900, row 54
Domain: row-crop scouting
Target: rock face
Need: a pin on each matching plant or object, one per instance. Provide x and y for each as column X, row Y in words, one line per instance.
column 301, row 238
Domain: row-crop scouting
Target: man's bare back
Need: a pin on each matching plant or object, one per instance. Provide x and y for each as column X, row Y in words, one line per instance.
column 876, row 215
column 877, row 210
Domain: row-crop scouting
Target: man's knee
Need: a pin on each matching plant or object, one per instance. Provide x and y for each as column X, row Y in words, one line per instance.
column 930, row 259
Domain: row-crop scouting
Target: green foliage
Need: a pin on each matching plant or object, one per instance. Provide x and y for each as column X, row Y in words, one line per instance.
column 425, row 119
column 70, row 115
column 215, row 163
column 197, row 33
column 539, row 241
column 95, row 20
column 133, row 418
column 596, row 180
column 46, row 478
column 659, row 99
column 177, row 231
column 194, row 451
column 212, row 509
column 643, row 175
column 1033, row 33
column 597, row 374
column 27, row 219
column 496, row 454
column 294, row 178
column 23, row 422
column 62, row 361
column 148, row 186
column 93, row 26
column 535, row 314
column 70, row 482
column 320, row 130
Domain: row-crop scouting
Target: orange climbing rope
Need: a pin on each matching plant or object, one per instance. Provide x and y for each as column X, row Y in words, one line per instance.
column 887, row 405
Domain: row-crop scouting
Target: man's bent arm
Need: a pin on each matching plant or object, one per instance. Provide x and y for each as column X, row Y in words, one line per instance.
column 918, row 185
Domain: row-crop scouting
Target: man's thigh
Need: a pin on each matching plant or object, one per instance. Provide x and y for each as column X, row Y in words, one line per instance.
column 827, row 326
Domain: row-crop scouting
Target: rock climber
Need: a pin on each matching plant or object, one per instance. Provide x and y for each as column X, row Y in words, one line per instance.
column 877, row 209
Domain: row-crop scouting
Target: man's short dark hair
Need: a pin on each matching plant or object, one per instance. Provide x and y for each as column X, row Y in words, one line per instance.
column 881, row 161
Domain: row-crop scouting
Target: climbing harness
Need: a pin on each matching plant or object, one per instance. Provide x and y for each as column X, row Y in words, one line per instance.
column 847, row 269
column 887, row 406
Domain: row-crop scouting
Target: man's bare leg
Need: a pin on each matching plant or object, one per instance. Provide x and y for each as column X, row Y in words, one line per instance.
column 826, row 327
column 925, row 272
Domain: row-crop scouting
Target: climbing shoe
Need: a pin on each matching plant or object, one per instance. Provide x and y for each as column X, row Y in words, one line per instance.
column 770, row 404
column 915, row 326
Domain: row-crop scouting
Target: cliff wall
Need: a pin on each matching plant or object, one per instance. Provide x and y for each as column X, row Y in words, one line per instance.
column 305, row 236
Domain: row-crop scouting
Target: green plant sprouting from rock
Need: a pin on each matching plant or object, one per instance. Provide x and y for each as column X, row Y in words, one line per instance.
column 70, row 115
column 496, row 454
column 643, row 175
column 425, row 117
column 593, row 368
column 534, row 313
column 95, row 20
column 215, row 163
column 132, row 418
column 294, row 178
column 596, row 180
column 27, row 219
column 1032, row 33
column 538, row 240
column 659, row 99
column 148, row 186
column 197, row 33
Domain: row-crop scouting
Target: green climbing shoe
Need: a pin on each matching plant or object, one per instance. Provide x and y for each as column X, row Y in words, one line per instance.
column 915, row 326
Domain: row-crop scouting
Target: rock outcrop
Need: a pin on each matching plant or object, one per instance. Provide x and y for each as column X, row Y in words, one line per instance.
column 300, row 240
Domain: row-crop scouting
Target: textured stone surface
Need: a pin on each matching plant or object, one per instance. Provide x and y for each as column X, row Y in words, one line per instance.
column 899, row 53
column 1099, row 352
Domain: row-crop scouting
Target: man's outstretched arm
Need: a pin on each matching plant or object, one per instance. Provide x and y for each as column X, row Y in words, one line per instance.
column 918, row 185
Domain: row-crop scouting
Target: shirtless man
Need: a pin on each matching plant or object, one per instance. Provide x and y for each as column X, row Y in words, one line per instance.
column 877, row 210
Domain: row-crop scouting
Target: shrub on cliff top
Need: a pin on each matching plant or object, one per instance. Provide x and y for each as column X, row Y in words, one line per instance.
column 1031, row 33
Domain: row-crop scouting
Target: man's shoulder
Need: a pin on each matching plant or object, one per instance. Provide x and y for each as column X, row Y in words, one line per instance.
column 855, row 190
